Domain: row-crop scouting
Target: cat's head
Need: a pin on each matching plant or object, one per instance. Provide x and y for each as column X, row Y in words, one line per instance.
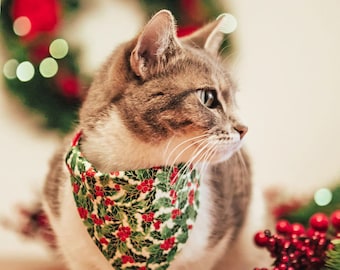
column 160, row 100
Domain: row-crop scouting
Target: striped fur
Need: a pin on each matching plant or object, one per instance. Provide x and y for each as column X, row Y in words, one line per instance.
column 144, row 109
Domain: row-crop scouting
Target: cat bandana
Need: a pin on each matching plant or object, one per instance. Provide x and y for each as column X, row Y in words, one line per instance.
column 139, row 219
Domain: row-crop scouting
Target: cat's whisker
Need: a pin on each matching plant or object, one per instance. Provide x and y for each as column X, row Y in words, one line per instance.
column 169, row 155
column 189, row 163
column 167, row 147
column 207, row 155
column 200, row 142
column 198, row 153
column 209, row 147
column 193, row 162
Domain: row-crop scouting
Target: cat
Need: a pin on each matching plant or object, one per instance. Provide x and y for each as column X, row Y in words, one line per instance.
column 163, row 100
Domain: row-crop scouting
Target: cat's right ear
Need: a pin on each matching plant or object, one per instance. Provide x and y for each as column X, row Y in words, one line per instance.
column 156, row 43
column 209, row 37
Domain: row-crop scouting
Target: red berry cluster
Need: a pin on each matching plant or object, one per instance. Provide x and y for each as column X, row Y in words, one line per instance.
column 123, row 233
column 145, row 186
column 295, row 247
column 168, row 243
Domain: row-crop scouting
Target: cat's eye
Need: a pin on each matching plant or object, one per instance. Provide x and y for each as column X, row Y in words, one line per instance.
column 208, row 97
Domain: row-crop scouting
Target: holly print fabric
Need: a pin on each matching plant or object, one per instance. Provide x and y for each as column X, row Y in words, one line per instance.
column 139, row 219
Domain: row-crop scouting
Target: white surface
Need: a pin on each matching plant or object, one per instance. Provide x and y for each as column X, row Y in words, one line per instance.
column 287, row 64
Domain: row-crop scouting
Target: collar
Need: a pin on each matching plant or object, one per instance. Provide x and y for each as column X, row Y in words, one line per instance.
column 139, row 219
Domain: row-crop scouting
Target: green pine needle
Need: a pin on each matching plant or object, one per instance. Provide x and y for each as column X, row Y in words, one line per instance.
column 303, row 214
column 333, row 257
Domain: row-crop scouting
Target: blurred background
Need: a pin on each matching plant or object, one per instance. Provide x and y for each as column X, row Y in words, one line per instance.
column 285, row 59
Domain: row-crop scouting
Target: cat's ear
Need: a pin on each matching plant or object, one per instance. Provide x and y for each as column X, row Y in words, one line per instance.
column 156, row 43
column 208, row 37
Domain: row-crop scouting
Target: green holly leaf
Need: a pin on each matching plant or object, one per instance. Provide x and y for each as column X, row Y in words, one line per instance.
column 117, row 212
column 104, row 179
column 183, row 237
column 158, row 258
column 101, row 210
column 109, row 230
column 163, row 202
column 143, row 174
column 172, row 254
column 90, row 230
column 88, row 222
column 122, row 247
column 191, row 212
column 166, row 232
column 83, row 190
column 73, row 162
column 156, row 235
column 164, row 217
column 132, row 220
column 81, row 167
column 146, row 226
column 163, row 267
column 153, row 249
column 117, row 264
column 163, row 187
column 120, row 181
column 163, row 177
column 138, row 244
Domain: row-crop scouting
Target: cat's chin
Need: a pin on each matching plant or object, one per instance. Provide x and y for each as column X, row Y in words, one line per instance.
column 224, row 153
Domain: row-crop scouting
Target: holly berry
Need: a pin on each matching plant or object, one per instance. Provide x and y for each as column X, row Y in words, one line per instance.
column 297, row 229
column 283, row 227
column 319, row 222
column 261, row 239
column 335, row 220
column 292, row 248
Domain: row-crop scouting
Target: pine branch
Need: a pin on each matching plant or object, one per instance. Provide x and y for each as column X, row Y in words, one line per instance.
column 333, row 257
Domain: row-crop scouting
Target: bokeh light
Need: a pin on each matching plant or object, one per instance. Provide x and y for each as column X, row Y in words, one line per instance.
column 59, row 48
column 228, row 24
column 22, row 26
column 9, row 69
column 25, row 71
column 323, row 197
column 48, row 67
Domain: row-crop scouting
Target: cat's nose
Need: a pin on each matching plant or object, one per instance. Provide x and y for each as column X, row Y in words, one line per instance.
column 241, row 129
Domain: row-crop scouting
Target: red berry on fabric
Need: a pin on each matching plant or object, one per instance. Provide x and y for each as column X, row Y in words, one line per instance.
column 103, row 241
column 261, row 239
column 319, row 222
column 283, row 227
column 75, row 188
column 335, row 220
column 157, row 224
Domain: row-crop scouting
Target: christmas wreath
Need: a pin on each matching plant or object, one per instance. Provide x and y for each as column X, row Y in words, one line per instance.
column 42, row 69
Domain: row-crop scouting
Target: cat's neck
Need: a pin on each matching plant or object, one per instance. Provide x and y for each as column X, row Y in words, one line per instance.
column 110, row 147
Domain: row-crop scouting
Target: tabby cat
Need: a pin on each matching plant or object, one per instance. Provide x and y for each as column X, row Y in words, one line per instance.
column 162, row 100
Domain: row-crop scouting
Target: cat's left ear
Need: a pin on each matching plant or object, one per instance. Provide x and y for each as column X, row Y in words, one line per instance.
column 155, row 45
column 209, row 37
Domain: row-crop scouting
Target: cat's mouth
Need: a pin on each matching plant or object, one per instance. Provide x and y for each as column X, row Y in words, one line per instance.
column 215, row 150
column 223, row 147
column 224, row 152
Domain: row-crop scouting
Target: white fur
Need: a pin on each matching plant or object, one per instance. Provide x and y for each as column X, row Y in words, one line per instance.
column 244, row 255
column 196, row 254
